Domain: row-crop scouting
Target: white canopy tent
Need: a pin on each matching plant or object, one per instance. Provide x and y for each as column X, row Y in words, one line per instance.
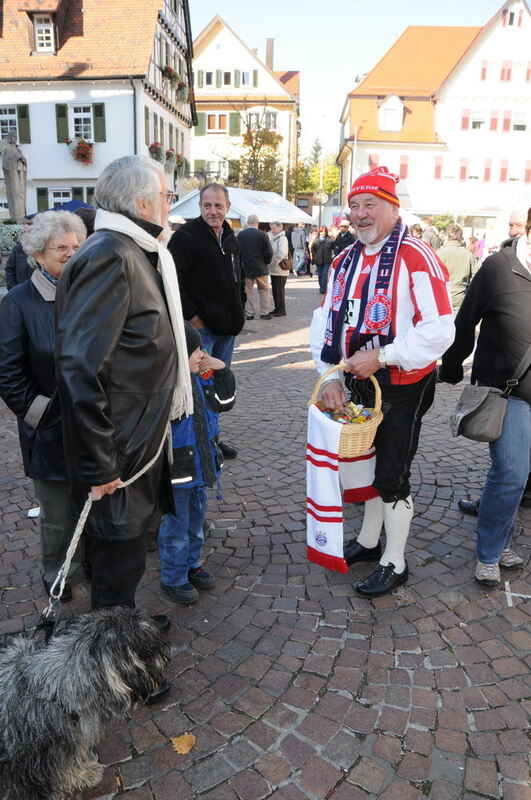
column 268, row 207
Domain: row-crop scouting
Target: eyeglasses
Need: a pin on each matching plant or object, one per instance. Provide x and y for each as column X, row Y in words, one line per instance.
column 169, row 197
column 63, row 249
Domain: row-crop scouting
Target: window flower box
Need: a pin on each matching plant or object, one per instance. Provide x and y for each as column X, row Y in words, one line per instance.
column 156, row 151
column 171, row 75
column 80, row 150
column 170, row 160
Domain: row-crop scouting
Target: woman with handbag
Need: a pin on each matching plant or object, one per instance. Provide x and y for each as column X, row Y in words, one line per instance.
column 279, row 269
column 499, row 297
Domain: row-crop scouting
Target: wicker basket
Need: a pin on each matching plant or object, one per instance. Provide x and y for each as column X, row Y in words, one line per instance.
column 355, row 438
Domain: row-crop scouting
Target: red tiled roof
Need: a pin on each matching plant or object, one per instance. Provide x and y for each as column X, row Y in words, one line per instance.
column 95, row 40
column 418, row 62
column 290, row 79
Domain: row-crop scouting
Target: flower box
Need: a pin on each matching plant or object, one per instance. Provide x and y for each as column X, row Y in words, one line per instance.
column 80, row 150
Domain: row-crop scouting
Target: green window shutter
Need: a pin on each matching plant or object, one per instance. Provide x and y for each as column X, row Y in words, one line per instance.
column 146, row 125
column 170, row 136
column 98, row 111
column 199, row 164
column 200, row 129
column 218, row 79
column 77, row 193
column 90, row 195
column 237, row 78
column 234, row 171
column 155, row 127
column 162, row 131
column 234, row 124
column 200, row 78
column 61, row 121
column 23, row 124
column 42, row 199
column 255, row 77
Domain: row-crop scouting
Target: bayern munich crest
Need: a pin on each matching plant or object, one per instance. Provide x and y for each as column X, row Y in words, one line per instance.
column 338, row 289
column 320, row 539
column 378, row 312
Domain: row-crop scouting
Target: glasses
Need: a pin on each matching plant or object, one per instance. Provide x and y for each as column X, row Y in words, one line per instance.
column 63, row 249
column 169, row 197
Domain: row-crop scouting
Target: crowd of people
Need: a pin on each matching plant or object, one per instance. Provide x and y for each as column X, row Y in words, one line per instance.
column 125, row 337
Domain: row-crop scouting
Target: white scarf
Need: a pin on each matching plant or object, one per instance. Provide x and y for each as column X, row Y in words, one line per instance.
column 182, row 397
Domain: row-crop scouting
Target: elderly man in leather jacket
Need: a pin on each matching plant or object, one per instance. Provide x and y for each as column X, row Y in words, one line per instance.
column 121, row 370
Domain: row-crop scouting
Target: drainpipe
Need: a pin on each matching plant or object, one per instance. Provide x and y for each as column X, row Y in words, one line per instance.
column 135, row 126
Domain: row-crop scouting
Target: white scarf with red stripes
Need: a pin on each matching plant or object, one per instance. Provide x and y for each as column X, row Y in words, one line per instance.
column 326, row 475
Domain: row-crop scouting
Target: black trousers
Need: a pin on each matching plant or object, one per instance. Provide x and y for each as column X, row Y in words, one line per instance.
column 116, row 567
column 397, row 437
column 278, row 283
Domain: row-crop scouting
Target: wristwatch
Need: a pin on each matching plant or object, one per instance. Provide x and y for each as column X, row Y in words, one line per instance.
column 381, row 358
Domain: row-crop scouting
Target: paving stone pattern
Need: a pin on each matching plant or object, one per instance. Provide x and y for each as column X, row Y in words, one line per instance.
column 295, row 687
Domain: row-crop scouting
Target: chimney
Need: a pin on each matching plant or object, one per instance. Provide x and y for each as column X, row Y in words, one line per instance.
column 270, row 51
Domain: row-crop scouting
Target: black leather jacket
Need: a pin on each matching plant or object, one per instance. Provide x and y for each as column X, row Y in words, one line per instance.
column 211, row 276
column 115, row 357
column 27, row 376
column 17, row 268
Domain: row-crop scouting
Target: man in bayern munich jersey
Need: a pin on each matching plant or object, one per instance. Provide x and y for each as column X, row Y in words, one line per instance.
column 387, row 312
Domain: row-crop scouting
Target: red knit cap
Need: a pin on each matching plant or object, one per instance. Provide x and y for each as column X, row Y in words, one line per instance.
column 378, row 181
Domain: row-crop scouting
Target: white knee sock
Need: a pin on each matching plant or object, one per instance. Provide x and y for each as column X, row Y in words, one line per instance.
column 373, row 518
column 397, row 519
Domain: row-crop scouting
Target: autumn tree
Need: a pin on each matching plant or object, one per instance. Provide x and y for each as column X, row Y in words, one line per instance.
column 259, row 163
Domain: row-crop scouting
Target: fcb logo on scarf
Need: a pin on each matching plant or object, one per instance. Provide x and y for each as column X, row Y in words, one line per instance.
column 378, row 312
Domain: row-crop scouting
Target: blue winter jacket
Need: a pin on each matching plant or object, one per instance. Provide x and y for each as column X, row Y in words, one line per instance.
column 197, row 459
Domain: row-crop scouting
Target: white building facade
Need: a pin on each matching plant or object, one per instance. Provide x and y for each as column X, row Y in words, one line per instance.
column 114, row 107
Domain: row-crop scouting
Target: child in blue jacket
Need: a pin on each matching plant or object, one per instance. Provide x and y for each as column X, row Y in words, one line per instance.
column 197, row 462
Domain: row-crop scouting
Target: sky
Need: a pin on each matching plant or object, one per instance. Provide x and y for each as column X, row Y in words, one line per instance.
column 330, row 44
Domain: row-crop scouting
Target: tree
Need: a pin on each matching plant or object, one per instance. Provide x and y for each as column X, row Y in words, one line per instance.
column 259, row 164
column 299, row 180
column 441, row 221
column 314, row 159
column 330, row 175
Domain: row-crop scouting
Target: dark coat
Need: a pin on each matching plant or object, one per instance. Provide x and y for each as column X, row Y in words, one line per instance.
column 116, row 373
column 27, row 377
column 341, row 241
column 17, row 268
column 499, row 297
column 322, row 251
column 211, row 276
column 256, row 251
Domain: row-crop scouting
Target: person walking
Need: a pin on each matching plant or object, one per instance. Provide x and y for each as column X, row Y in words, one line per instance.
column 298, row 240
column 257, row 253
column 279, row 276
column 322, row 256
column 460, row 262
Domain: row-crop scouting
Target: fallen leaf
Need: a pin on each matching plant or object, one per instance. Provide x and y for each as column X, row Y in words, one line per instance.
column 183, row 744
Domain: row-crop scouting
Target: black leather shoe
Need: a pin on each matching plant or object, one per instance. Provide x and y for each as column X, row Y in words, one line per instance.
column 159, row 694
column 470, row 507
column 353, row 552
column 162, row 622
column 67, row 591
column 227, row 450
column 249, row 317
column 382, row 581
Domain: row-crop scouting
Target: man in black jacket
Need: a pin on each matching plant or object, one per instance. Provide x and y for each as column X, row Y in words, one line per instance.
column 343, row 238
column 256, row 254
column 499, row 298
column 211, row 278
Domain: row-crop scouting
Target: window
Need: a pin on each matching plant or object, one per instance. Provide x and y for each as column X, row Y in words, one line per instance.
column 463, row 169
column 465, row 119
column 494, row 120
column 270, row 120
column 479, row 120
column 227, row 79
column 58, row 196
column 253, row 121
column 217, row 123
column 507, row 120
column 527, row 177
column 209, row 79
column 438, row 168
column 404, row 164
column 487, row 170
column 519, row 121
column 246, row 78
column 391, row 114
column 484, row 67
column 506, row 71
column 8, row 121
column 217, row 169
column 504, row 170
column 44, row 34
column 265, row 119
column 82, row 121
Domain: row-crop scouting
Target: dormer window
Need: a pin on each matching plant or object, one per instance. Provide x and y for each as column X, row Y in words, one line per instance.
column 391, row 114
column 44, row 33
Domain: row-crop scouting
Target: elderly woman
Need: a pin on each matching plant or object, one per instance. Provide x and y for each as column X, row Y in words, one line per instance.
column 27, row 378
column 279, row 244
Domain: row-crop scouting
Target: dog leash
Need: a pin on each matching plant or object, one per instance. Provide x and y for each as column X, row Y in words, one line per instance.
column 51, row 615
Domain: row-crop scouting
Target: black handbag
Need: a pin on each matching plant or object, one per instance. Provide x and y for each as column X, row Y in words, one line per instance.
column 481, row 410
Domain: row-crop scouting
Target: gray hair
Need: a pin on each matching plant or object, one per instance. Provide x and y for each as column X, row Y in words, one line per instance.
column 252, row 219
column 46, row 226
column 125, row 179
column 277, row 224
column 218, row 187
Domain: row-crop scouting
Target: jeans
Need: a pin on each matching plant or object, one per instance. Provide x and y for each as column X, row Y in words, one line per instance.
column 505, row 483
column 322, row 274
column 298, row 257
column 181, row 536
column 218, row 345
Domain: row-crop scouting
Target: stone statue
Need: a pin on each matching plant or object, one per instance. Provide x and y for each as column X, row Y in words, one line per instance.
column 15, row 172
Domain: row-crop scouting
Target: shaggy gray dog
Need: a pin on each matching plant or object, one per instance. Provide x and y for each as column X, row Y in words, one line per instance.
column 55, row 700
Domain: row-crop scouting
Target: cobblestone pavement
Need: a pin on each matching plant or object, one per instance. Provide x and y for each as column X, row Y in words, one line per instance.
column 296, row 688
